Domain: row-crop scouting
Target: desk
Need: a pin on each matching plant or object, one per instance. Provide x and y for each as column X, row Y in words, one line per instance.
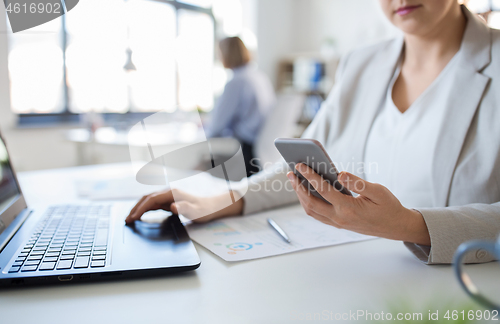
column 368, row 276
column 177, row 135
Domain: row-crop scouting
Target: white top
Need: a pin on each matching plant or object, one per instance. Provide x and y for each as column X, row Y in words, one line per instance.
column 399, row 142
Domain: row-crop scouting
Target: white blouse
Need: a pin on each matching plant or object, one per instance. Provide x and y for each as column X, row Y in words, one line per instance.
column 400, row 147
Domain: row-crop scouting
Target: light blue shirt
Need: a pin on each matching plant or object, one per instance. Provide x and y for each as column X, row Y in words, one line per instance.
column 241, row 109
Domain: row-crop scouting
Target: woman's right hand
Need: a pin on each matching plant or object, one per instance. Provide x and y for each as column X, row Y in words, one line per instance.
column 198, row 209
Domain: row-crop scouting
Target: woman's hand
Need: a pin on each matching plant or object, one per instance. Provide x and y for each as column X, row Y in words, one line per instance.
column 376, row 211
column 198, row 209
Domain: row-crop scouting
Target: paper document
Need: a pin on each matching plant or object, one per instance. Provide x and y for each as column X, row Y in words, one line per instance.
column 251, row 237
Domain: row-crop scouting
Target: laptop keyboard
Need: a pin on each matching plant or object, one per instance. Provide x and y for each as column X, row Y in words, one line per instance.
column 67, row 237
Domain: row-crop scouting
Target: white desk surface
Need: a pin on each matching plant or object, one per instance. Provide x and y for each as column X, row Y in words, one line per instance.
column 369, row 276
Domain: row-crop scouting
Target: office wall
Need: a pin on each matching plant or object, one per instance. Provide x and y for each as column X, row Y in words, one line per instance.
column 301, row 26
column 274, row 33
column 351, row 24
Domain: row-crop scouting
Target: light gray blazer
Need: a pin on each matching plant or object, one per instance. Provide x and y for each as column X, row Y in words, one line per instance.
column 466, row 165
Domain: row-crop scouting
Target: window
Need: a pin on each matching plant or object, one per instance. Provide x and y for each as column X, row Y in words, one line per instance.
column 194, row 57
column 36, row 67
column 115, row 56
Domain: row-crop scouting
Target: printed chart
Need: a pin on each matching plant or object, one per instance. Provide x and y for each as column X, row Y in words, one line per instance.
column 251, row 237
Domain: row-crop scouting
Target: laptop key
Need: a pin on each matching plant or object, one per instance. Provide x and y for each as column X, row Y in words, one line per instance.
column 42, row 243
column 35, row 257
column 67, row 257
column 82, row 262
column 29, row 268
column 50, row 259
column 53, row 254
column 47, row 266
column 64, row 264
column 32, row 262
column 98, row 257
column 14, row 269
column 96, row 264
column 83, row 254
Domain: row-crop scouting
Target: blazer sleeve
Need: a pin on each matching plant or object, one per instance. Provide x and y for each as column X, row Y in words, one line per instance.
column 451, row 226
column 270, row 188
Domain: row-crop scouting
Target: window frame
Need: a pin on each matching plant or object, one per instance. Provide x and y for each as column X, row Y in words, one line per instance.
column 68, row 117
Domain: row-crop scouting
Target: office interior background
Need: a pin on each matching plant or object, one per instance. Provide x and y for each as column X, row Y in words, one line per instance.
column 70, row 88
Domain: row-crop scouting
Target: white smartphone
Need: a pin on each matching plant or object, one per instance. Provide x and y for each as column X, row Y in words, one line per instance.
column 311, row 153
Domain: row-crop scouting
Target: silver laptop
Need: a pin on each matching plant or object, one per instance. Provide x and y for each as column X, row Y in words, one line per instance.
column 74, row 243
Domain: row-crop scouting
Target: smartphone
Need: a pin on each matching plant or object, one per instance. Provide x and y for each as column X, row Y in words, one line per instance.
column 311, row 153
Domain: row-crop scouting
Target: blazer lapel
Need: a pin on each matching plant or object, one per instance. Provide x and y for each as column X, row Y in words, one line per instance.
column 465, row 99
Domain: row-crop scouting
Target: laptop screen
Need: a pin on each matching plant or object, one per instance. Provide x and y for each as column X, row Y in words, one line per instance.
column 8, row 185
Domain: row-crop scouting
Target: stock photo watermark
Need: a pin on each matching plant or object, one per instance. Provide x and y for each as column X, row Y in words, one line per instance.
column 26, row 14
column 452, row 315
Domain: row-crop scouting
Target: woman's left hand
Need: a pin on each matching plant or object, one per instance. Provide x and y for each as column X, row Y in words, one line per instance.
column 376, row 211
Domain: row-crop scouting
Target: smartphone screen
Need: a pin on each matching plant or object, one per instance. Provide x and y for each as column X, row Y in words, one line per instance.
column 311, row 153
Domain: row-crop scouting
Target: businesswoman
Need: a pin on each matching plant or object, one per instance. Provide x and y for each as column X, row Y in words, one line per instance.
column 245, row 102
column 425, row 109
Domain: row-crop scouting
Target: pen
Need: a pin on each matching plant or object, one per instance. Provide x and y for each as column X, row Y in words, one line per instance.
column 278, row 229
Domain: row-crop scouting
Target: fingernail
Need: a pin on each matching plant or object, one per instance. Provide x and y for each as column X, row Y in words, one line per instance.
column 290, row 175
column 343, row 176
column 299, row 166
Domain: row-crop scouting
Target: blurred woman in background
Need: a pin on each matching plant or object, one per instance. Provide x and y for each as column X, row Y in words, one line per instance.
column 247, row 98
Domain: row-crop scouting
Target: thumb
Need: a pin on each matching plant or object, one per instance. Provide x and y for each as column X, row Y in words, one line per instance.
column 358, row 185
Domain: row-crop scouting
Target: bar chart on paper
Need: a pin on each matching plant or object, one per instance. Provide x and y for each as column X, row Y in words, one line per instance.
column 251, row 237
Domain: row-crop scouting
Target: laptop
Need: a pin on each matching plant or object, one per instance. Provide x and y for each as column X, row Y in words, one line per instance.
column 75, row 243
